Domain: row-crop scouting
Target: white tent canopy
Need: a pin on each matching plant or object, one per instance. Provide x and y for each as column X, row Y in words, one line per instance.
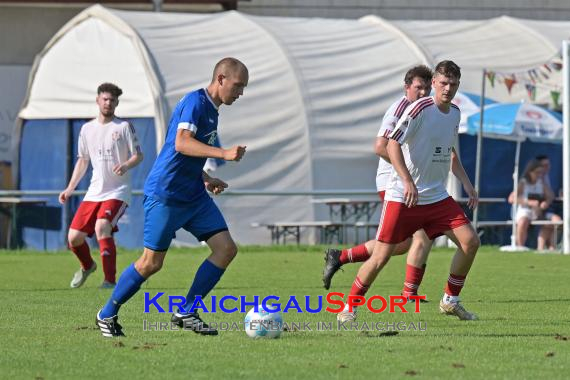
column 318, row 87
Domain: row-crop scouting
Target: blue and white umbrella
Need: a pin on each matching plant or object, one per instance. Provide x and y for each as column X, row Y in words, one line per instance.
column 518, row 122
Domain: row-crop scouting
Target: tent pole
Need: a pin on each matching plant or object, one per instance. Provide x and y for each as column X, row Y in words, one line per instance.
column 516, row 197
column 566, row 147
column 479, row 150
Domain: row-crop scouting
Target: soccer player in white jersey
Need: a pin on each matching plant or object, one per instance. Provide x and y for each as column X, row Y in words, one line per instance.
column 421, row 149
column 417, row 85
column 111, row 146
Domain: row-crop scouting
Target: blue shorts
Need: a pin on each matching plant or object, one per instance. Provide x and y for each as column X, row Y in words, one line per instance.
column 202, row 219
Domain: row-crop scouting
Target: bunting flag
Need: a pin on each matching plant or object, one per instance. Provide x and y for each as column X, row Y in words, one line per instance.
column 555, row 98
column 547, row 67
column 491, row 77
column 531, row 76
column 534, row 79
column 510, row 82
column 531, row 91
column 557, row 66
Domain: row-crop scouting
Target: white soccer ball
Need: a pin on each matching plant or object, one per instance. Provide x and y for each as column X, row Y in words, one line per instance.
column 263, row 324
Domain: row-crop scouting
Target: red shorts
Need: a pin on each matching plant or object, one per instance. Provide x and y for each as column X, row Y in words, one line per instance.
column 88, row 213
column 399, row 222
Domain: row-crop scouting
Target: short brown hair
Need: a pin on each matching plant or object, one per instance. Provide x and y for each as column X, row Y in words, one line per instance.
column 228, row 64
column 448, row 69
column 110, row 88
column 420, row 71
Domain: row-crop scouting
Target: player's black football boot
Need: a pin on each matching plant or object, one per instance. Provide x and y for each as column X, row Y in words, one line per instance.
column 193, row 322
column 332, row 265
column 109, row 327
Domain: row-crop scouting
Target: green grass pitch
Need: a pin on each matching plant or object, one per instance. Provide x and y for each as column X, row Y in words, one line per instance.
column 523, row 301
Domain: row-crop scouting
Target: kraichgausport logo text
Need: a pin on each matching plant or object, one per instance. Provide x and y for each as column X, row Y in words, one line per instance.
column 301, row 304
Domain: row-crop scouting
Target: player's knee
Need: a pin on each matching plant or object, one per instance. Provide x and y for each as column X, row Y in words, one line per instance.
column 472, row 244
column 421, row 246
column 156, row 266
column 402, row 247
column 150, row 267
column 230, row 250
column 379, row 261
column 75, row 238
column 103, row 228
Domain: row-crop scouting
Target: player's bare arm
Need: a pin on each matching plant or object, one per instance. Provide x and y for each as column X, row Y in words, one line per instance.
column 459, row 171
column 189, row 146
column 380, row 148
column 397, row 159
column 78, row 172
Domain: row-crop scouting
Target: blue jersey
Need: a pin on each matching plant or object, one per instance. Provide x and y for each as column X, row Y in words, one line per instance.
column 176, row 179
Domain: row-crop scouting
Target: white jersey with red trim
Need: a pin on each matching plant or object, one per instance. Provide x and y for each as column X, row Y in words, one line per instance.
column 389, row 121
column 427, row 136
column 107, row 145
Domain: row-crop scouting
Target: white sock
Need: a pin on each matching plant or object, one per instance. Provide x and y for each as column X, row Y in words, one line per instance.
column 346, row 308
column 450, row 299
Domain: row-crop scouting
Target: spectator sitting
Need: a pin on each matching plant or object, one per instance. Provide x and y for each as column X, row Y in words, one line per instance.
column 534, row 198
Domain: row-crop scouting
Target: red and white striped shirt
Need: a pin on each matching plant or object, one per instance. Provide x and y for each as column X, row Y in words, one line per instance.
column 389, row 121
column 427, row 136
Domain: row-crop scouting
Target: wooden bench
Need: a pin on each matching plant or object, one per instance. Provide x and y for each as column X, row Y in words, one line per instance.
column 328, row 230
column 367, row 227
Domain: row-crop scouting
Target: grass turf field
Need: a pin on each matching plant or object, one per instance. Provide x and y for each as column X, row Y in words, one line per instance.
column 48, row 329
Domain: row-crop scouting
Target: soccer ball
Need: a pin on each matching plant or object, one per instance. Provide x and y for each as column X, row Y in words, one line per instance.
column 263, row 324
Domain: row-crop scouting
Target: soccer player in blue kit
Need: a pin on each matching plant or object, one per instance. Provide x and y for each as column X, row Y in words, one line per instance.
column 176, row 197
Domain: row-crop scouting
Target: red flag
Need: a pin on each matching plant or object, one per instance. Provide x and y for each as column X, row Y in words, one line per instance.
column 491, row 77
column 510, row 82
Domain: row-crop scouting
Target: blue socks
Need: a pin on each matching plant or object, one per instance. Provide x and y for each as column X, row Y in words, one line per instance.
column 206, row 278
column 129, row 283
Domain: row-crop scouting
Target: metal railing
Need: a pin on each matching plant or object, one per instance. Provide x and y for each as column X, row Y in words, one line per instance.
column 20, row 193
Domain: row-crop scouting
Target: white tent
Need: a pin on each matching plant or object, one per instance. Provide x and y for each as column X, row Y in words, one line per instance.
column 317, row 91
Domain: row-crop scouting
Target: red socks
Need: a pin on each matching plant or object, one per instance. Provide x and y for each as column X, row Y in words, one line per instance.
column 354, row 255
column 358, row 288
column 82, row 253
column 454, row 284
column 413, row 280
column 108, row 258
